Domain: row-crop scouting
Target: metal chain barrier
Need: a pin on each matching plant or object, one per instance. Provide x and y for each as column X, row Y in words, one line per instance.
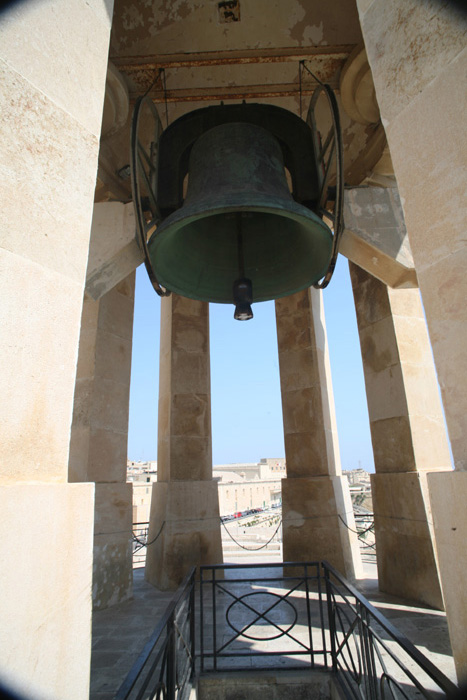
column 252, row 549
column 147, row 544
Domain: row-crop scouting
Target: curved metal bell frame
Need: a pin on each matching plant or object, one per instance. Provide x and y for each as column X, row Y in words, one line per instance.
column 240, row 235
column 330, row 157
column 143, row 173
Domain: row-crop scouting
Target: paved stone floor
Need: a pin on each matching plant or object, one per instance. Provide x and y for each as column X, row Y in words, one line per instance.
column 120, row 633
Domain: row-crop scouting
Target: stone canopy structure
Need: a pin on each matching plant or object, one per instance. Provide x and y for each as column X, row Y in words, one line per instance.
column 70, row 72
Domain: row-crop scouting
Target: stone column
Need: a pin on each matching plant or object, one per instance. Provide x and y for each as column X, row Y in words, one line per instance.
column 422, row 110
column 185, row 501
column 51, row 94
column 99, row 435
column 407, row 431
column 316, row 507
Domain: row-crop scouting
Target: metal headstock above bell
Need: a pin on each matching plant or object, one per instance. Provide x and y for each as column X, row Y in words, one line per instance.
column 240, row 235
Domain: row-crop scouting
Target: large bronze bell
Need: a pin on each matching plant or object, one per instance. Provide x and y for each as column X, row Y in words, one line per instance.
column 240, row 235
column 239, row 222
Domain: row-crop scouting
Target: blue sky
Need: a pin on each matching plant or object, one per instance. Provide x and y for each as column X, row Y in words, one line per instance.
column 245, row 389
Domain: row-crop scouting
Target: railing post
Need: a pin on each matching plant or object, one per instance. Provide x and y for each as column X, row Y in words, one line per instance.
column 308, row 614
column 171, row 658
column 201, row 615
column 331, row 618
column 192, row 624
column 214, row 619
column 367, row 652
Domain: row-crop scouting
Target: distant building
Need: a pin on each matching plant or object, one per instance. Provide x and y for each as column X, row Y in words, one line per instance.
column 360, row 489
column 138, row 471
column 241, row 486
column 357, row 476
column 142, row 475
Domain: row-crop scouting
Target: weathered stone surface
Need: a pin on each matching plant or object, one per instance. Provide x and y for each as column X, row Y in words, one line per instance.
column 371, row 302
column 112, row 559
column 363, row 6
column 114, row 252
column 100, row 415
column 191, row 415
column 184, row 430
column 418, row 59
column 432, row 184
column 447, row 497
column 185, row 499
column 51, row 98
column 107, row 456
column 407, row 433
column 79, row 450
column 300, row 407
column 407, row 561
column 116, row 314
column 45, row 605
column 190, row 373
column 450, row 340
column 311, row 447
column 408, row 44
column 379, row 346
column 99, row 435
column 312, row 508
column 305, row 439
column 113, row 357
column 52, row 166
column 190, row 457
column 38, row 358
column 431, row 180
column 375, row 237
column 405, row 411
column 392, row 444
column 385, row 393
column 60, row 68
column 41, row 309
column 188, row 513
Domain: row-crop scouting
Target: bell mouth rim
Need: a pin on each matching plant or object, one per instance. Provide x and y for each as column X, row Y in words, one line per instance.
column 290, row 210
column 285, row 207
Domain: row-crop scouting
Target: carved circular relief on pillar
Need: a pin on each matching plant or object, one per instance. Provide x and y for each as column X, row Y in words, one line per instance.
column 116, row 102
column 357, row 89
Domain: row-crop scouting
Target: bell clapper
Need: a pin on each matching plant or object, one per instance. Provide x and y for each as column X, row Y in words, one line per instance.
column 242, row 287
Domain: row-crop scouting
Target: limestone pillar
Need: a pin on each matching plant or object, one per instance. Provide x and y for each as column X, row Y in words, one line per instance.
column 316, row 507
column 51, row 94
column 185, row 501
column 407, row 432
column 99, row 436
column 422, row 110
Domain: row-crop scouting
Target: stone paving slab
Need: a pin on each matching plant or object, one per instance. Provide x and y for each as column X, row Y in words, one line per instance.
column 119, row 634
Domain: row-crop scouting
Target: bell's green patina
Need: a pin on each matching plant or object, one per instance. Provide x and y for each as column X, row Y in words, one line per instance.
column 239, row 220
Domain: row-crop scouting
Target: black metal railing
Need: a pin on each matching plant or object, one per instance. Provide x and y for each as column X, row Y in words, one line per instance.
column 165, row 667
column 370, row 657
column 365, row 524
column 140, row 541
column 293, row 615
column 285, row 615
column 262, row 612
